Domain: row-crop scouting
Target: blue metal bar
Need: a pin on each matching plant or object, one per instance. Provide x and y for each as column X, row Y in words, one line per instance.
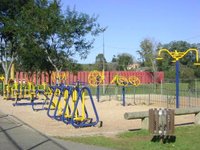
column 53, row 88
column 35, row 99
column 64, row 109
column 123, row 96
column 55, row 116
column 85, row 123
column 63, row 118
column 97, row 94
column 75, row 107
column 177, row 84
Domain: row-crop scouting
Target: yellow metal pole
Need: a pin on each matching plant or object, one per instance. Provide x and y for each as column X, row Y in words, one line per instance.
column 75, row 98
column 83, row 105
column 66, row 94
column 12, row 72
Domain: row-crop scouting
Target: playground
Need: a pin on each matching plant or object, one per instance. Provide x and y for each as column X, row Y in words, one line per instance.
column 81, row 110
column 110, row 112
column 89, row 108
column 66, row 76
column 92, row 110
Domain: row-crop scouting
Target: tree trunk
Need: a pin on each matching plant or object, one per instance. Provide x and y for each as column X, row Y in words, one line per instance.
column 6, row 68
column 6, row 77
column 57, row 70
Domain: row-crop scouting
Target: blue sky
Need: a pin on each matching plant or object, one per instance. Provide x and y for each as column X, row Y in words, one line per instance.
column 131, row 21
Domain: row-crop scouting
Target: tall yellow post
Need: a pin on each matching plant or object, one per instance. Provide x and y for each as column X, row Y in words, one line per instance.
column 12, row 72
column 83, row 106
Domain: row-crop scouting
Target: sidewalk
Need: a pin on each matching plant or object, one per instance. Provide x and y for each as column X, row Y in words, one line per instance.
column 17, row 135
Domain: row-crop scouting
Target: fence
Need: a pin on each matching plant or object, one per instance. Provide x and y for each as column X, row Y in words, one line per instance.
column 145, row 77
column 160, row 94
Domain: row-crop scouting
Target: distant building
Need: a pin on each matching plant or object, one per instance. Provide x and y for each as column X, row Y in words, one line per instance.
column 133, row 66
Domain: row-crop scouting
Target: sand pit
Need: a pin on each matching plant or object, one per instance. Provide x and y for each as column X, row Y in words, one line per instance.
column 110, row 112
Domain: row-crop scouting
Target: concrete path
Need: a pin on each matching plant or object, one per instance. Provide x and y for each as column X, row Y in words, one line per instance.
column 17, row 135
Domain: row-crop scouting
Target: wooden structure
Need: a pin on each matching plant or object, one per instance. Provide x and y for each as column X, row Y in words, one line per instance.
column 161, row 122
column 144, row 115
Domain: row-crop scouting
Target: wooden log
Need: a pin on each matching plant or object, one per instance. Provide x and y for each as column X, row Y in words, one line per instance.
column 187, row 111
column 136, row 115
column 144, row 114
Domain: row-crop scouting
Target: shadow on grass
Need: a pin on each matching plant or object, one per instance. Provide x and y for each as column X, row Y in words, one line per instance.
column 164, row 139
column 139, row 129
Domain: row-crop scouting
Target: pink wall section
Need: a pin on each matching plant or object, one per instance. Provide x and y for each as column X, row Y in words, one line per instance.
column 145, row 77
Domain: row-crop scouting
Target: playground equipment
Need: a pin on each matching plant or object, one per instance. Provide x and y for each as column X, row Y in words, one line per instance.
column 123, row 82
column 27, row 91
column 84, row 120
column 61, row 103
column 45, row 91
column 59, row 77
column 135, row 81
column 8, row 92
column 31, row 90
column 67, row 103
column 71, row 108
column 2, row 78
column 95, row 78
column 120, row 80
column 176, row 56
column 54, row 103
column 23, row 90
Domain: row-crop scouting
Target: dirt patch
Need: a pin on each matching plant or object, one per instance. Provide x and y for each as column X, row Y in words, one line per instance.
column 111, row 112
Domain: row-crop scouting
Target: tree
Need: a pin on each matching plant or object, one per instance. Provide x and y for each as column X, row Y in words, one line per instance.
column 148, row 54
column 45, row 21
column 64, row 35
column 114, row 59
column 32, row 59
column 9, row 33
column 88, row 67
column 101, row 62
column 23, row 28
column 112, row 66
column 38, row 31
column 197, row 72
column 123, row 60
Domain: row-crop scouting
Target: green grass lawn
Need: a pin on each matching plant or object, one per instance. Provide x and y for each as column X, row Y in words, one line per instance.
column 187, row 138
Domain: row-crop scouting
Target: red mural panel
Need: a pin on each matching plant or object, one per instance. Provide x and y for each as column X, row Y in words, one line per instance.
column 17, row 77
column 79, row 76
column 145, row 77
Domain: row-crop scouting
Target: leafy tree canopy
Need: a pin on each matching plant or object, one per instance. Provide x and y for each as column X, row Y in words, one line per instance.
column 100, row 62
column 39, row 34
column 123, row 60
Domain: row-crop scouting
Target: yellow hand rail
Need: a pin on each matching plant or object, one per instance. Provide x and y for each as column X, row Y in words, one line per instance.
column 176, row 55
